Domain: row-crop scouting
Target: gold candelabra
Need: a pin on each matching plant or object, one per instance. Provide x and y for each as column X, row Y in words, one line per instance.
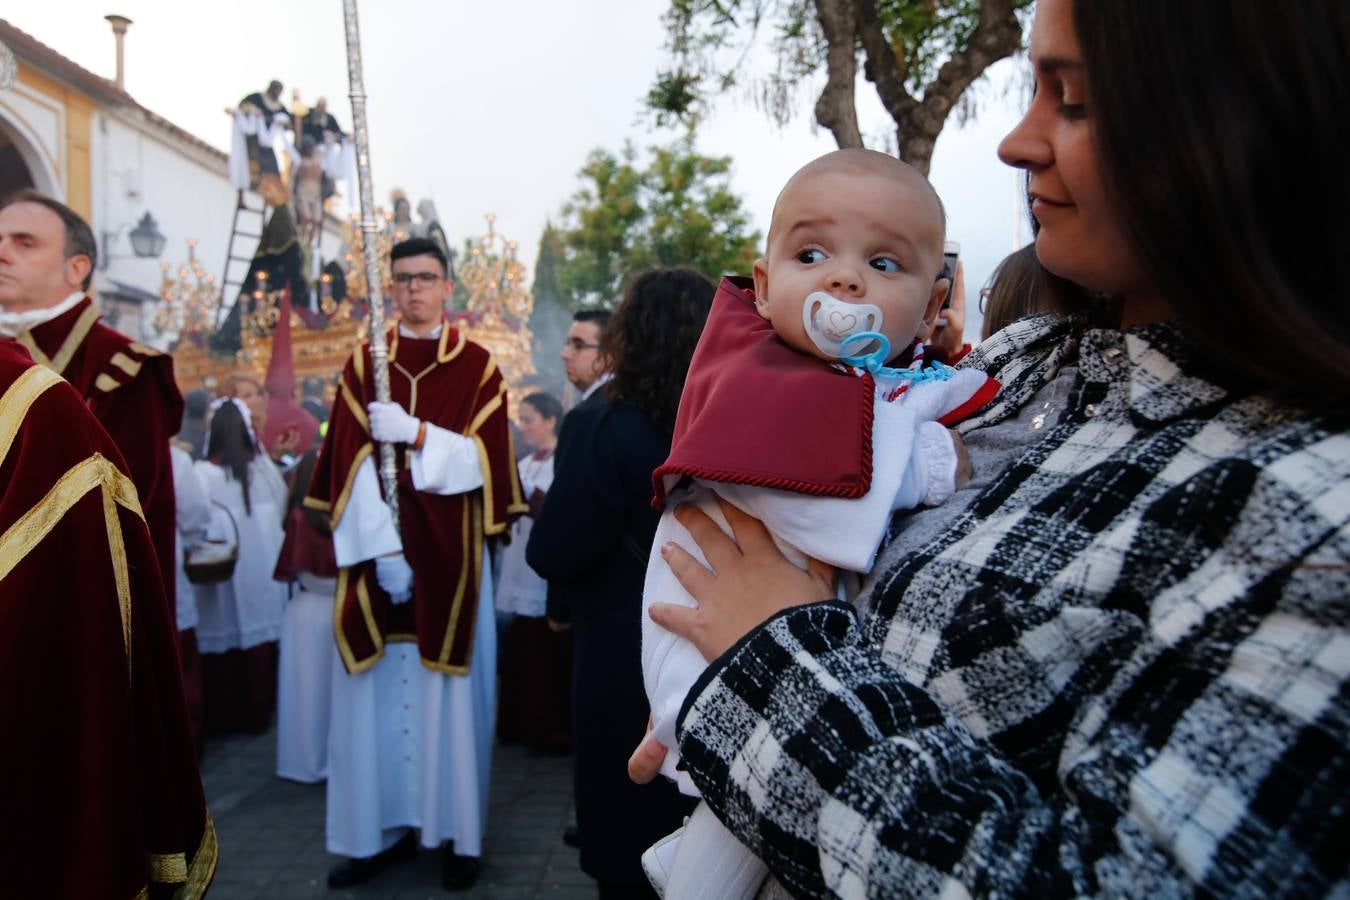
column 496, row 279
column 498, row 305
column 354, row 258
column 188, row 297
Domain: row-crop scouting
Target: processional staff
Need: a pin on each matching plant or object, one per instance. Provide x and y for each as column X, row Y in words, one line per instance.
column 379, row 348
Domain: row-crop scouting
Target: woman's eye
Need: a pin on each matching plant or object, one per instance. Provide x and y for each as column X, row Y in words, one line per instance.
column 810, row 256
column 885, row 264
column 1073, row 111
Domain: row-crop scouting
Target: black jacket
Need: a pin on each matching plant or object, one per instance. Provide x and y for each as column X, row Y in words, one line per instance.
column 591, row 541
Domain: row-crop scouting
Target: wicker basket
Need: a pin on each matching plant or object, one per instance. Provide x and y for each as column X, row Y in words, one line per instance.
column 205, row 564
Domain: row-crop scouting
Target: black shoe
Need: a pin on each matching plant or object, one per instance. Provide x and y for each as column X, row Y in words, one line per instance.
column 458, row 873
column 359, row 870
column 572, row 836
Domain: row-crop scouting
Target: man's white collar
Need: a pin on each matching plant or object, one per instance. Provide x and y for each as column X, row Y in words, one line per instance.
column 13, row 324
column 595, row 385
column 405, row 331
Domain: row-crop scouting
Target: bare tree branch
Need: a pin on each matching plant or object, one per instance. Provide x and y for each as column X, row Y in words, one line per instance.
column 998, row 36
column 880, row 65
column 835, row 110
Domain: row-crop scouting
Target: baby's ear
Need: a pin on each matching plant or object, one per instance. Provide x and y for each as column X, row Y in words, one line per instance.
column 934, row 307
column 761, row 275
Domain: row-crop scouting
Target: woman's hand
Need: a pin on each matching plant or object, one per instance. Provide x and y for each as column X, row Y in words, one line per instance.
column 750, row 581
column 950, row 331
column 646, row 760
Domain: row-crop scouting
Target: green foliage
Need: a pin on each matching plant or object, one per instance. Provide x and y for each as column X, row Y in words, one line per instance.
column 546, row 288
column 677, row 210
column 710, row 41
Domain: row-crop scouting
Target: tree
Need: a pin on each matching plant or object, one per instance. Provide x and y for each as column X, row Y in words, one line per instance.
column 550, row 318
column 678, row 210
column 921, row 56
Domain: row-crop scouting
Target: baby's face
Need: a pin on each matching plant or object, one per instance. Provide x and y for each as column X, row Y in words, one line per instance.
column 862, row 238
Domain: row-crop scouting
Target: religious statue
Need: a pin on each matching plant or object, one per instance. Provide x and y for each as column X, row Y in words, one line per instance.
column 319, row 123
column 401, row 225
column 430, row 228
column 259, row 121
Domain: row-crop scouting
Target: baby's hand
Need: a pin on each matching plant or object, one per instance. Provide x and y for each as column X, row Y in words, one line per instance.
column 963, row 469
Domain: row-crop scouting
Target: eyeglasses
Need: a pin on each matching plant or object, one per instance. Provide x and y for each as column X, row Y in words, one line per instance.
column 426, row 279
column 578, row 345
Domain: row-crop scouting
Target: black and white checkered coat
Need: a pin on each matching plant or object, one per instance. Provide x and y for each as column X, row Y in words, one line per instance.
column 1122, row 672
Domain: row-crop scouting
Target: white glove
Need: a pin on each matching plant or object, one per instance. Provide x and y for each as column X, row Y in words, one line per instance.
column 390, row 424
column 394, row 575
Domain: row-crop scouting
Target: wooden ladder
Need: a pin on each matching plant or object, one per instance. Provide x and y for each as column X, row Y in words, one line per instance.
column 232, row 259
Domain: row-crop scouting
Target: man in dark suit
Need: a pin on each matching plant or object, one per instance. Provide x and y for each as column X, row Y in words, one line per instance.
column 585, row 370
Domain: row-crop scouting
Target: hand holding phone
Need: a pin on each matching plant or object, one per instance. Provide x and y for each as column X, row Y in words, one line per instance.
column 951, row 252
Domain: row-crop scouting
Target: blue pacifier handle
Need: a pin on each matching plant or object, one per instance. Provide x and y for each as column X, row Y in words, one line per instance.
column 874, row 362
column 869, row 361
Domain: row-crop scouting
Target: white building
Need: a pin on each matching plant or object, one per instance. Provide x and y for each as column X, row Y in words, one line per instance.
column 84, row 140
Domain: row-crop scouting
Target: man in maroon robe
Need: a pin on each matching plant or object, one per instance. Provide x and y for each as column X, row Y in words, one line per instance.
column 417, row 585
column 47, row 256
column 98, row 778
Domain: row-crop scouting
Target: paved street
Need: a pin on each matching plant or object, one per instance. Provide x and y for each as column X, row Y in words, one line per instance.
column 271, row 832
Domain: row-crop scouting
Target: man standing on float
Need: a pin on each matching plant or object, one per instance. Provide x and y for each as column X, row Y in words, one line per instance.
column 411, row 735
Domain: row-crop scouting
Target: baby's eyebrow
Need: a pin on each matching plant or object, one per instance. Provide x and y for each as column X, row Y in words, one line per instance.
column 813, row 222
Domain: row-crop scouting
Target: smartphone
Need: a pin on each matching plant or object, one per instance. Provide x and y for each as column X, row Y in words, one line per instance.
column 950, row 252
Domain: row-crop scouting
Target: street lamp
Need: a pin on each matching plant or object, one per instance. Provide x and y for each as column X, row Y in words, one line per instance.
column 147, row 242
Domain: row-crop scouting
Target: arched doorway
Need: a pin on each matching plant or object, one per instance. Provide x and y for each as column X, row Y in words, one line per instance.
column 14, row 174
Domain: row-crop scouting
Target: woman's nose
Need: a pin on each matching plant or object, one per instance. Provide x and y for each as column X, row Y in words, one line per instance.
column 1027, row 146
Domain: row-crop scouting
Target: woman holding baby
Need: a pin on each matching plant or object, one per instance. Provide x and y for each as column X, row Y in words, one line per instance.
column 1117, row 661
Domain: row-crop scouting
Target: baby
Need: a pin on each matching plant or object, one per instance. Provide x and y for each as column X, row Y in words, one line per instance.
column 791, row 413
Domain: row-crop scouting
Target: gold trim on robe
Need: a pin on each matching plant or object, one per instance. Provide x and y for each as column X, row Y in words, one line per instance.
column 18, row 399
column 30, row 528
column 66, row 352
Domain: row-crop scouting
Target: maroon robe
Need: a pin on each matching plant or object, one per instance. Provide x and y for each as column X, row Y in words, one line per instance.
column 98, row 776
column 131, row 390
column 455, row 384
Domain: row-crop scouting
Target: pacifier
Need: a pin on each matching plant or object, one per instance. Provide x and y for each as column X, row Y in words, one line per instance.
column 832, row 324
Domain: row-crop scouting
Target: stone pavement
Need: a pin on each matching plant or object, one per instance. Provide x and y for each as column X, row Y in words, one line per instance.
column 271, row 833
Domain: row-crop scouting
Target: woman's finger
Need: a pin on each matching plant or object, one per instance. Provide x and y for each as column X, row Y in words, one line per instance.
column 688, row 571
column 717, row 547
column 679, row 620
column 646, row 760
column 750, row 533
column 647, row 757
column 959, row 288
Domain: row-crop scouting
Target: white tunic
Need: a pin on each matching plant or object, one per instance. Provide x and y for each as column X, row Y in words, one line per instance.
column 521, row 591
column 408, row 746
column 305, row 680
column 193, row 516
column 246, row 610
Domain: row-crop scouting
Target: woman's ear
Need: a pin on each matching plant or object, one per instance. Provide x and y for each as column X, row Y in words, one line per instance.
column 761, row 275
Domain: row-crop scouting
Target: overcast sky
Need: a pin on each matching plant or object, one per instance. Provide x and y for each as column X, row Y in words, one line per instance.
column 492, row 107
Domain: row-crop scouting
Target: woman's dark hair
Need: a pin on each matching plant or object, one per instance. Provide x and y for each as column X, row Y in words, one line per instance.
column 547, row 406
column 1225, row 154
column 647, row 344
column 230, row 447
column 1021, row 287
column 301, row 477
